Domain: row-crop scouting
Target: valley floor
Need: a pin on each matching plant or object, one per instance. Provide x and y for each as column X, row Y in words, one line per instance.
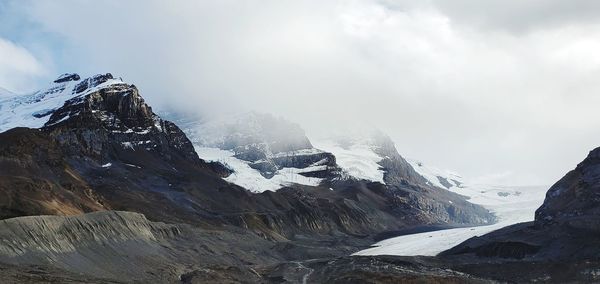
column 510, row 204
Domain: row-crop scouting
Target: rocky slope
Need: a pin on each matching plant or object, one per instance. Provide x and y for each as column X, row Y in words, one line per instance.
column 124, row 246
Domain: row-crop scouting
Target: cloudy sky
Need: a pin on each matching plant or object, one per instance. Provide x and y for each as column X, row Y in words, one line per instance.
column 504, row 92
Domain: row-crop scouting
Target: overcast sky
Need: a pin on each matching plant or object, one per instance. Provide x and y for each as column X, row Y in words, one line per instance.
column 504, row 92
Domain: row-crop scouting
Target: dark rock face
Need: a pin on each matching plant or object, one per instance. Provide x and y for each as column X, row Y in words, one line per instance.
column 397, row 169
column 36, row 180
column 116, row 119
column 91, row 82
column 576, row 197
column 445, row 182
column 268, row 166
column 67, row 77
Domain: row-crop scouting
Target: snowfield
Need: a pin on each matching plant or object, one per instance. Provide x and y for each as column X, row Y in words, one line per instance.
column 357, row 160
column 511, row 204
column 251, row 179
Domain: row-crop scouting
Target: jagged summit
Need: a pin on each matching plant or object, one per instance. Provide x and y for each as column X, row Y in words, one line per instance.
column 97, row 111
column 33, row 110
column 67, row 77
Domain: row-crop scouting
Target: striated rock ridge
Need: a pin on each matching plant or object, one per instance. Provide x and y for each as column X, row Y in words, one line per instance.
column 50, row 236
column 124, row 247
column 96, row 244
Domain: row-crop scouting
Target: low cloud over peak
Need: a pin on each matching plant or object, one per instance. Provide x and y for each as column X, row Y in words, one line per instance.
column 502, row 90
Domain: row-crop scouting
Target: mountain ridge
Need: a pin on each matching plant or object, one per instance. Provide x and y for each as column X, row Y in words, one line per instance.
column 106, row 149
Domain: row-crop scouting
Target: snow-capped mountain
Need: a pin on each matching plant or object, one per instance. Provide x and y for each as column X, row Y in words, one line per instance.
column 106, row 121
column 264, row 152
column 267, row 153
column 35, row 109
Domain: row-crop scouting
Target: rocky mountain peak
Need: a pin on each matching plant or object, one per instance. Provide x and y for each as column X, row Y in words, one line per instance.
column 67, row 77
column 118, row 104
column 105, row 117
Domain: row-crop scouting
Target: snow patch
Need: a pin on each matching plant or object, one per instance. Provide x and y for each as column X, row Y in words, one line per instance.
column 357, row 160
column 133, row 166
column 127, row 145
column 435, row 176
column 251, row 179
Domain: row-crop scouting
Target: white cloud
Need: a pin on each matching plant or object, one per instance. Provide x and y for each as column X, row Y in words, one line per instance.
column 17, row 67
column 461, row 86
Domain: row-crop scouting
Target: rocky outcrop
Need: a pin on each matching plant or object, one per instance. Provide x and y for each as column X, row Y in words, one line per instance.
column 115, row 117
column 67, row 77
column 575, row 198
